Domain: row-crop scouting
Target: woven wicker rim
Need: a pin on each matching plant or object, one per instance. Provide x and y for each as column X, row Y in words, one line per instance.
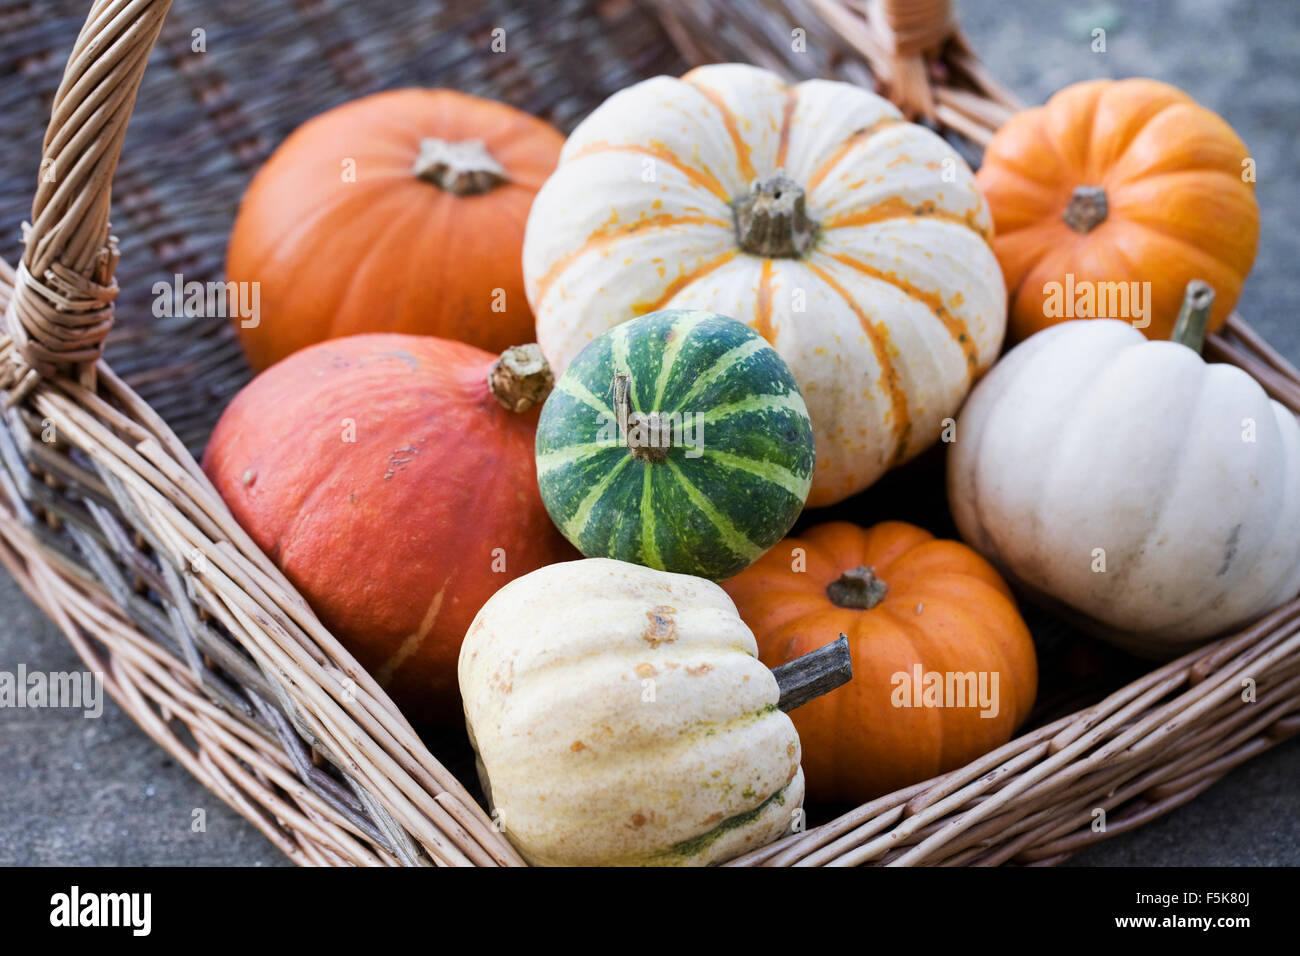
column 115, row 532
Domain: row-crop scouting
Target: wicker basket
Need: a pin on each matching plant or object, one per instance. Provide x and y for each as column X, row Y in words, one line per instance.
column 110, row 526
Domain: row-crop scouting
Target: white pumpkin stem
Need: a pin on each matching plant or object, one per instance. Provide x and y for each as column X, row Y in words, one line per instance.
column 520, row 378
column 857, row 588
column 1087, row 209
column 771, row 221
column 464, row 168
column 1194, row 315
column 815, row 673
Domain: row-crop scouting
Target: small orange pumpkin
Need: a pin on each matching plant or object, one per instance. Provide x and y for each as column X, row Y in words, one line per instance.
column 912, row 606
column 398, row 212
column 1113, row 183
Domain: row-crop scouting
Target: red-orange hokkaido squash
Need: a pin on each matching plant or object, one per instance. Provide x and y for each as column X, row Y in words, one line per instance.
column 384, row 475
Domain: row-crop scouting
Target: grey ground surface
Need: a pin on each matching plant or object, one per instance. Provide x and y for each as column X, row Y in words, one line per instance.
column 77, row 791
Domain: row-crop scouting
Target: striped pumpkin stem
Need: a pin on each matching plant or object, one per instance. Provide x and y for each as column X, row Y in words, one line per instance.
column 644, row 434
column 771, row 221
column 857, row 588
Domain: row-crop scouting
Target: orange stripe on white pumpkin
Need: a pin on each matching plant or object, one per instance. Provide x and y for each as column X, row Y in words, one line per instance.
column 613, row 233
column 701, row 176
column 878, row 336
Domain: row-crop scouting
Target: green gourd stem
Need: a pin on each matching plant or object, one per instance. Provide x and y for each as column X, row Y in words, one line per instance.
column 1194, row 315
column 813, row 674
column 857, row 588
column 631, row 422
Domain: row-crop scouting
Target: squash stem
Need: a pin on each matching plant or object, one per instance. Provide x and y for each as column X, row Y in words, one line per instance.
column 815, row 673
column 520, row 378
column 648, row 437
column 464, row 168
column 857, row 588
column 1194, row 316
column 771, row 220
column 1087, row 209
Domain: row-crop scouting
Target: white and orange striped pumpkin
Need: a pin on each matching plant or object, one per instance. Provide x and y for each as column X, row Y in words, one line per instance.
column 855, row 242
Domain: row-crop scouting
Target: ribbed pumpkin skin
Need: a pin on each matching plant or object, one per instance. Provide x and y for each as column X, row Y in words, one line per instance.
column 390, row 538
column 887, row 319
column 709, row 515
column 946, row 609
column 621, row 717
column 389, row 252
column 1178, row 206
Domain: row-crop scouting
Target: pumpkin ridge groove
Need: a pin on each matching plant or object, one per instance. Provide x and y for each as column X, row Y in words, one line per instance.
column 606, row 235
column 900, row 425
column 580, row 393
column 559, row 458
column 649, row 550
column 787, row 118
column 769, row 472
column 896, row 208
column 577, row 523
column 777, row 401
column 733, row 539
column 700, row 177
column 744, row 160
column 669, row 362
column 724, row 363
column 842, row 149
column 762, row 323
column 957, row 328
column 684, row 280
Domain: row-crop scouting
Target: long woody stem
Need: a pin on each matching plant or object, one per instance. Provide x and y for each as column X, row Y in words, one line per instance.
column 815, row 673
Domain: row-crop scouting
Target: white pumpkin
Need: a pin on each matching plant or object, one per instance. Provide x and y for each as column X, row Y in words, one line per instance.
column 621, row 716
column 855, row 242
column 1156, row 495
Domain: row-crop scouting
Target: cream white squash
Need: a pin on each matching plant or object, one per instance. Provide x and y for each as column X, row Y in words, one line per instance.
column 1154, row 494
column 855, row 242
column 621, row 716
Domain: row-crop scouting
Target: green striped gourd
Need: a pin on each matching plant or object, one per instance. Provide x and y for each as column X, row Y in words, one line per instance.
column 678, row 440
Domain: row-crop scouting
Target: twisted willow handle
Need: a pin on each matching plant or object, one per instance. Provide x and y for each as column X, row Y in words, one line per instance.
column 62, row 305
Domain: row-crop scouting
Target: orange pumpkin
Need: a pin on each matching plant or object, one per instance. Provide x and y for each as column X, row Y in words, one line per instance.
column 912, row 606
column 1114, row 182
column 391, row 478
column 398, row 212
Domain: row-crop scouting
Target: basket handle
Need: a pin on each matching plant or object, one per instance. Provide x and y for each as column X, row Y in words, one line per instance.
column 62, row 305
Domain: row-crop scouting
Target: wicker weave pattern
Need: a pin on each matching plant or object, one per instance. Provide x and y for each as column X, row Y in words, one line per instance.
column 106, row 520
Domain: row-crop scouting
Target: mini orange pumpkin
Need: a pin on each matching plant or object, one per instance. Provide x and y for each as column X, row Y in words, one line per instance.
column 399, row 212
column 1113, row 183
column 912, row 606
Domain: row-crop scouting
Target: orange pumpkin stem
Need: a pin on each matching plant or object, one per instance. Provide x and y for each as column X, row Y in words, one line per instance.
column 771, row 220
column 521, row 378
column 1194, row 315
column 857, row 588
column 1087, row 209
column 464, row 169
